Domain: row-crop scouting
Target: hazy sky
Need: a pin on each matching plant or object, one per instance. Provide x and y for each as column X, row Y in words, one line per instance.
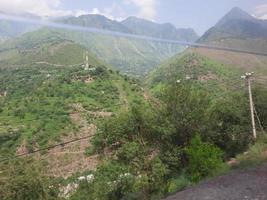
column 197, row 14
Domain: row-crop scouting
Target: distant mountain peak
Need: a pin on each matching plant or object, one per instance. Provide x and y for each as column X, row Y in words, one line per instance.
column 235, row 13
column 236, row 24
column 96, row 21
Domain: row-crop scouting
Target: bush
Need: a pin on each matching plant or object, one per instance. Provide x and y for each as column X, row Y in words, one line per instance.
column 203, row 158
column 25, row 179
column 178, row 184
column 129, row 152
column 172, row 157
column 229, row 124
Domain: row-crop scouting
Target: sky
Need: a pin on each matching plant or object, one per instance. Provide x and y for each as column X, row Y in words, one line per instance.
column 197, row 14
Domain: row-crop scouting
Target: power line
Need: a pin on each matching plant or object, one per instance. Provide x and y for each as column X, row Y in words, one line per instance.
column 47, row 148
column 122, row 34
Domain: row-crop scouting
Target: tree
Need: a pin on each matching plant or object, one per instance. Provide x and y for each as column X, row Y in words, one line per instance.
column 185, row 107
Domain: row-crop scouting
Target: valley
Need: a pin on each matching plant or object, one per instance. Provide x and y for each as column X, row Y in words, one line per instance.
column 91, row 116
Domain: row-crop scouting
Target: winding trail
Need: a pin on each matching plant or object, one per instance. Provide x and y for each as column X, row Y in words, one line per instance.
column 250, row 184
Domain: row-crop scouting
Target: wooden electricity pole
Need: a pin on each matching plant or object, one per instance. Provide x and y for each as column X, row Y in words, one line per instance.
column 248, row 78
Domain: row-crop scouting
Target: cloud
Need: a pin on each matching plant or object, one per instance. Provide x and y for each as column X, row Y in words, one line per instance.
column 51, row 8
column 37, row 7
column 110, row 11
column 147, row 8
column 115, row 8
column 261, row 11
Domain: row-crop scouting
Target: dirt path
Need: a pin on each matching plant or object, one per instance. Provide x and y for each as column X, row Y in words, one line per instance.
column 243, row 185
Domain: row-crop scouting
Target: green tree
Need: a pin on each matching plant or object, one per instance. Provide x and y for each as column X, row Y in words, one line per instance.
column 229, row 124
column 203, row 158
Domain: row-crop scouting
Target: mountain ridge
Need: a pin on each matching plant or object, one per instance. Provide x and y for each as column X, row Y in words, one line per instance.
column 236, row 24
column 164, row 30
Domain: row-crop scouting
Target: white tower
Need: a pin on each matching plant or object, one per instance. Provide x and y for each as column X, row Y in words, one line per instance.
column 86, row 61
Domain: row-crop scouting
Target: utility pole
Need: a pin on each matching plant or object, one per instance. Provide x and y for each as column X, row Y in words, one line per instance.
column 248, row 76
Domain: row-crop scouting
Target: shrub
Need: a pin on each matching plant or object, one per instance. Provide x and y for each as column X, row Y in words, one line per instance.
column 178, row 184
column 172, row 157
column 203, row 158
column 26, row 180
column 129, row 151
column 229, row 124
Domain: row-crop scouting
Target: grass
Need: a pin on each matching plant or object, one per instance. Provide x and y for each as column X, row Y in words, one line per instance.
column 256, row 154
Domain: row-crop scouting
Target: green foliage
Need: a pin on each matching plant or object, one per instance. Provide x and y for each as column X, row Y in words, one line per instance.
column 173, row 158
column 260, row 96
column 203, row 72
column 37, row 106
column 150, row 143
column 129, row 152
column 25, row 179
column 133, row 125
column 229, row 124
column 255, row 155
column 186, row 106
column 178, row 184
column 202, row 158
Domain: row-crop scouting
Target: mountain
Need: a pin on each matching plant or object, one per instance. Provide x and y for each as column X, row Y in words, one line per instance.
column 42, row 46
column 11, row 29
column 237, row 29
column 237, row 24
column 165, row 31
column 130, row 56
column 96, row 21
column 47, row 97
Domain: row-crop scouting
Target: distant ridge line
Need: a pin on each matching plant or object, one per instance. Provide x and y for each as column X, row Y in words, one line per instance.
column 121, row 34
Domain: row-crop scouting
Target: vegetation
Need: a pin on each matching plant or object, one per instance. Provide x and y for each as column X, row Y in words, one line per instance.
column 196, row 119
column 38, row 102
column 25, row 179
column 150, row 147
column 170, row 147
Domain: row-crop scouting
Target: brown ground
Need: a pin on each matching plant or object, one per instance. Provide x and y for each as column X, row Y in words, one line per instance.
column 239, row 185
column 63, row 161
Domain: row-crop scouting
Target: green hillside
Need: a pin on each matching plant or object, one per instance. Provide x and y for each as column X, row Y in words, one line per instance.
column 187, row 132
column 192, row 67
column 145, row 143
column 38, row 101
column 132, row 57
column 42, row 46
column 42, row 77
